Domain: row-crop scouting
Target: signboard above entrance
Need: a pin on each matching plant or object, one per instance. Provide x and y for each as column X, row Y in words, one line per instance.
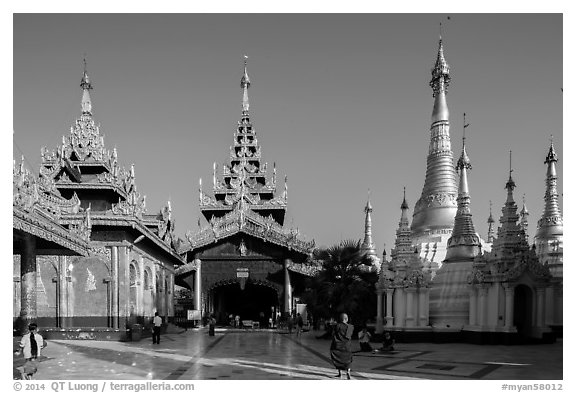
column 242, row 272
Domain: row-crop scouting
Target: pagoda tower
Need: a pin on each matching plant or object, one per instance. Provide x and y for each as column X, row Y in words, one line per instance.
column 500, row 276
column 490, row 237
column 244, row 177
column 434, row 212
column 510, row 233
column 449, row 298
column 368, row 245
column 404, row 281
column 549, row 238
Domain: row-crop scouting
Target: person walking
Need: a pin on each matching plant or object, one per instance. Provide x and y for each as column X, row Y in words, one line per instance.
column 211, row 325
column 299, row 325
column 290, row 323
column 157, row 321
column 341, row 347
column 31, row 346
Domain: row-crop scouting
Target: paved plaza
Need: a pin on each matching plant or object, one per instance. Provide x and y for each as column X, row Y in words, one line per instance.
column 270, row 355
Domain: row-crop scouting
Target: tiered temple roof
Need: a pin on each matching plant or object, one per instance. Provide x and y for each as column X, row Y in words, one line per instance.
column 245, row 198
column 38, row 209
column 83, row 168
column 245, row 170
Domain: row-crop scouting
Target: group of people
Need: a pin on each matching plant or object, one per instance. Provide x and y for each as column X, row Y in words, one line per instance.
column 341, row 346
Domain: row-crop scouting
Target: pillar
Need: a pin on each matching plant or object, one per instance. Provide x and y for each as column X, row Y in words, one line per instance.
column 198, row 286
column 473, row 303
column 379, row 320
column 423, row 294
column 540, row 306
column 483, row 294
column 389, row 298
column 399, row 308
column 509, row 315
column 410, row 322
column 115, row 288
column 63, row 279
column 28, row 283
column 287, row 289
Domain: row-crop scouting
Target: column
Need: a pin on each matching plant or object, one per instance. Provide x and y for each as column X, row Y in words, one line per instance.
column 549, row 308
column 389, row 297
column 63, row 291
column 410, row 306
column 509, row 316
column 198, row 286
column 115, row 288
column 379, row 321
column 399, row 308
column 423, row 307
column 473, row 311
column 540, row 307
column 287, row 289
column 28, row 283
column 483, row 293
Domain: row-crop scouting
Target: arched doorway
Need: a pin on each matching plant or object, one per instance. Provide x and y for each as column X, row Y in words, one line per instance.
column 523, row 306
column 257, row 301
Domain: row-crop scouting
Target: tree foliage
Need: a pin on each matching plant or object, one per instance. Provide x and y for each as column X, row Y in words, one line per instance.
column 344, row 284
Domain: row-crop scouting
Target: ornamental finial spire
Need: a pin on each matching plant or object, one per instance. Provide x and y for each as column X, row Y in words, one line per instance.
column 86, row 87
column 510, row 185
column 245, row 84
column 439, row 84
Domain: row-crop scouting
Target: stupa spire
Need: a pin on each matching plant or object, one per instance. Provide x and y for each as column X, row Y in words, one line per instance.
column 464, row 243
column 490, row 221
column 86, row 87
column 550, row 227
column 524, row 217
column 435, row 210
column 245, row 84
column 368, row 244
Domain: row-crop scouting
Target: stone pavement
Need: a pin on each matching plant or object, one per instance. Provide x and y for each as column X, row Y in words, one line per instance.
column 270, row 355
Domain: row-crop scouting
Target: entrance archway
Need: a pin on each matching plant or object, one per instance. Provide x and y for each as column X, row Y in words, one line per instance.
column 256, row 302
column 523, row 305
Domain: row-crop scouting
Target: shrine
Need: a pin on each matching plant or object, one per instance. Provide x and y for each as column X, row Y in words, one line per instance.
column 244, row 261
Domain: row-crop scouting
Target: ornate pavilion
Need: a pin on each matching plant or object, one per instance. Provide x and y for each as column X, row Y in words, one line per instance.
column 244, row 261
column 89, row 262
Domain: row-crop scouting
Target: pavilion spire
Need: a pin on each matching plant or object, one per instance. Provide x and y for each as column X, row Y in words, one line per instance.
column 245, row 84
column 464, row 243
column 86, row 87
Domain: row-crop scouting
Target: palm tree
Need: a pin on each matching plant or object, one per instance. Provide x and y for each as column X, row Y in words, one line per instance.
column 344, row 284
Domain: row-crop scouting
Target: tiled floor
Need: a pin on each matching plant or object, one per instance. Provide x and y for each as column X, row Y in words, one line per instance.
column 266, row 355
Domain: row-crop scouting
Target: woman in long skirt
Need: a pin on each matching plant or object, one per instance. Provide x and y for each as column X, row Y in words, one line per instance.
column 341, row 347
